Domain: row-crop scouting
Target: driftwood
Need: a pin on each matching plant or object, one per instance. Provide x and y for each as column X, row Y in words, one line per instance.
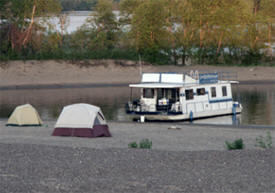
column 174, row 127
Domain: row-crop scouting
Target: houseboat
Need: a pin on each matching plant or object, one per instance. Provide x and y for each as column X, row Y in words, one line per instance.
column 181, row 96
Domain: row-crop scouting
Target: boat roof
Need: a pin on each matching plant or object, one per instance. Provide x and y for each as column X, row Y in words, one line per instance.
column 176, row 80
column 156, row 85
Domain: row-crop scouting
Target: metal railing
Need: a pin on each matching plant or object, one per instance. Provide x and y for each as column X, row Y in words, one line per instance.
column 222, row 75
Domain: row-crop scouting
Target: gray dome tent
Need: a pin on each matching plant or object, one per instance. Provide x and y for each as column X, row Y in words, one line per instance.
column 81, row 120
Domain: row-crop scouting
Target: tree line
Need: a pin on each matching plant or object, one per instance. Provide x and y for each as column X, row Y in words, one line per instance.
column 81, row 5
column 158, row 31
column 77, row 5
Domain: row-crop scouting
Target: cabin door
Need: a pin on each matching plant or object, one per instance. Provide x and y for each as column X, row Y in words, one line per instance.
column 183, row 101
column 148, row 99
column 187, row 100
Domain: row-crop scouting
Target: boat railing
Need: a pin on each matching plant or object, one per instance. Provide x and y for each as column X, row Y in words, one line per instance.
column 228, row 75
column 222, row 75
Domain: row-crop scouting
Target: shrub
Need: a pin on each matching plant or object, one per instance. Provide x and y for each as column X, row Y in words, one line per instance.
column 237, row 144
column 145, row 144
column 264, row 142
column 133, row 145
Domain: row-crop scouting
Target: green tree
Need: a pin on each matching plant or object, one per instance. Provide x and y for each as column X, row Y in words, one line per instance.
column 149, row 27
column 77, row 5
column 258, row 30
column 210, row 26
column 103, row 26
column 127, row 8
column 19, row 24
column 185, row 33
column 266, row 11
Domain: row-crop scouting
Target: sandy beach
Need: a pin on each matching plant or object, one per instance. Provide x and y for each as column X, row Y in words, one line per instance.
column 16, row 73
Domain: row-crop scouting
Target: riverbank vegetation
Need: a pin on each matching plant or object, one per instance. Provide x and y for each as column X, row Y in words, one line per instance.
column 82, row 5
column 237, row 32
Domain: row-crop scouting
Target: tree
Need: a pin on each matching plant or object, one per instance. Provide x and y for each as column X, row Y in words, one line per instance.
column 103, row 26
column 127, row 8
column 77, row 5
column 149, row 27
column 19, row 20
column 266, row 11
column 205, row 27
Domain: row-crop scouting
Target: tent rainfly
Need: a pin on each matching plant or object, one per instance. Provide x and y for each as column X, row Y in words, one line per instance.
column 24, row 115
column 81, row 120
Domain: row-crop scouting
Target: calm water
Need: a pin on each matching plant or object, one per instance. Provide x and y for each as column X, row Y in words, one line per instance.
column 258, row 102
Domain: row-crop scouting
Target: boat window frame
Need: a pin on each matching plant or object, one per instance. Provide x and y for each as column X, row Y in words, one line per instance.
column 168, row 93
column 224, row 91
column 213, row 92
column 199, row 93
column 189, row 96
column 144, row 92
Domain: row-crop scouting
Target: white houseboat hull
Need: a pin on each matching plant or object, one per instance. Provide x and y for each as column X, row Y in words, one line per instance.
column 185, row 117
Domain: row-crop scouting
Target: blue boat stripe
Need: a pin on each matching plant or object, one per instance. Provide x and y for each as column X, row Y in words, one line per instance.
column 220, row 100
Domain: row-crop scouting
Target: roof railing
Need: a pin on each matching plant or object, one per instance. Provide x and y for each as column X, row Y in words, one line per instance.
column 222, row 75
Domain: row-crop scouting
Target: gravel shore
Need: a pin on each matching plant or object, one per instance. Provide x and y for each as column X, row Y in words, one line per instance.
column 184, row 138
column 188, row 159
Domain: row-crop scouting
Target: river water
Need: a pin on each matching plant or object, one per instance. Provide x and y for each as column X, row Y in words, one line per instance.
column 258, row 102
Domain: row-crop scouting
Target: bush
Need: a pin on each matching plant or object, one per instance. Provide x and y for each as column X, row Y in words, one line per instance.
column 143, row 144
column 252, row 58
column 264, row 142
column 237, row 144
column 133, row 145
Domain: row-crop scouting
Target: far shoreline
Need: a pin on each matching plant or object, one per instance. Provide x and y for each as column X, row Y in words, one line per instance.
column 34, row 74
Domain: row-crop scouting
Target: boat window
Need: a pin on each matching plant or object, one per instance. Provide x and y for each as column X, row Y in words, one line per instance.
column 177, row 94
column 171, row 94
column 201, row 91
column 224, row 91
column 148, row 93
column 213, row 92
column 160, row 93
column 168, row 93
column 189, row 94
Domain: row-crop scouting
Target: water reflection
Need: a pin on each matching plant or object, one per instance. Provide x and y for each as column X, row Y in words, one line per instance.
column 49, row 102
column 257, row 100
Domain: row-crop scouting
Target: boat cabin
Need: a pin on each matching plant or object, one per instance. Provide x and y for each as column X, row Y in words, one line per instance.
column 173, row 96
